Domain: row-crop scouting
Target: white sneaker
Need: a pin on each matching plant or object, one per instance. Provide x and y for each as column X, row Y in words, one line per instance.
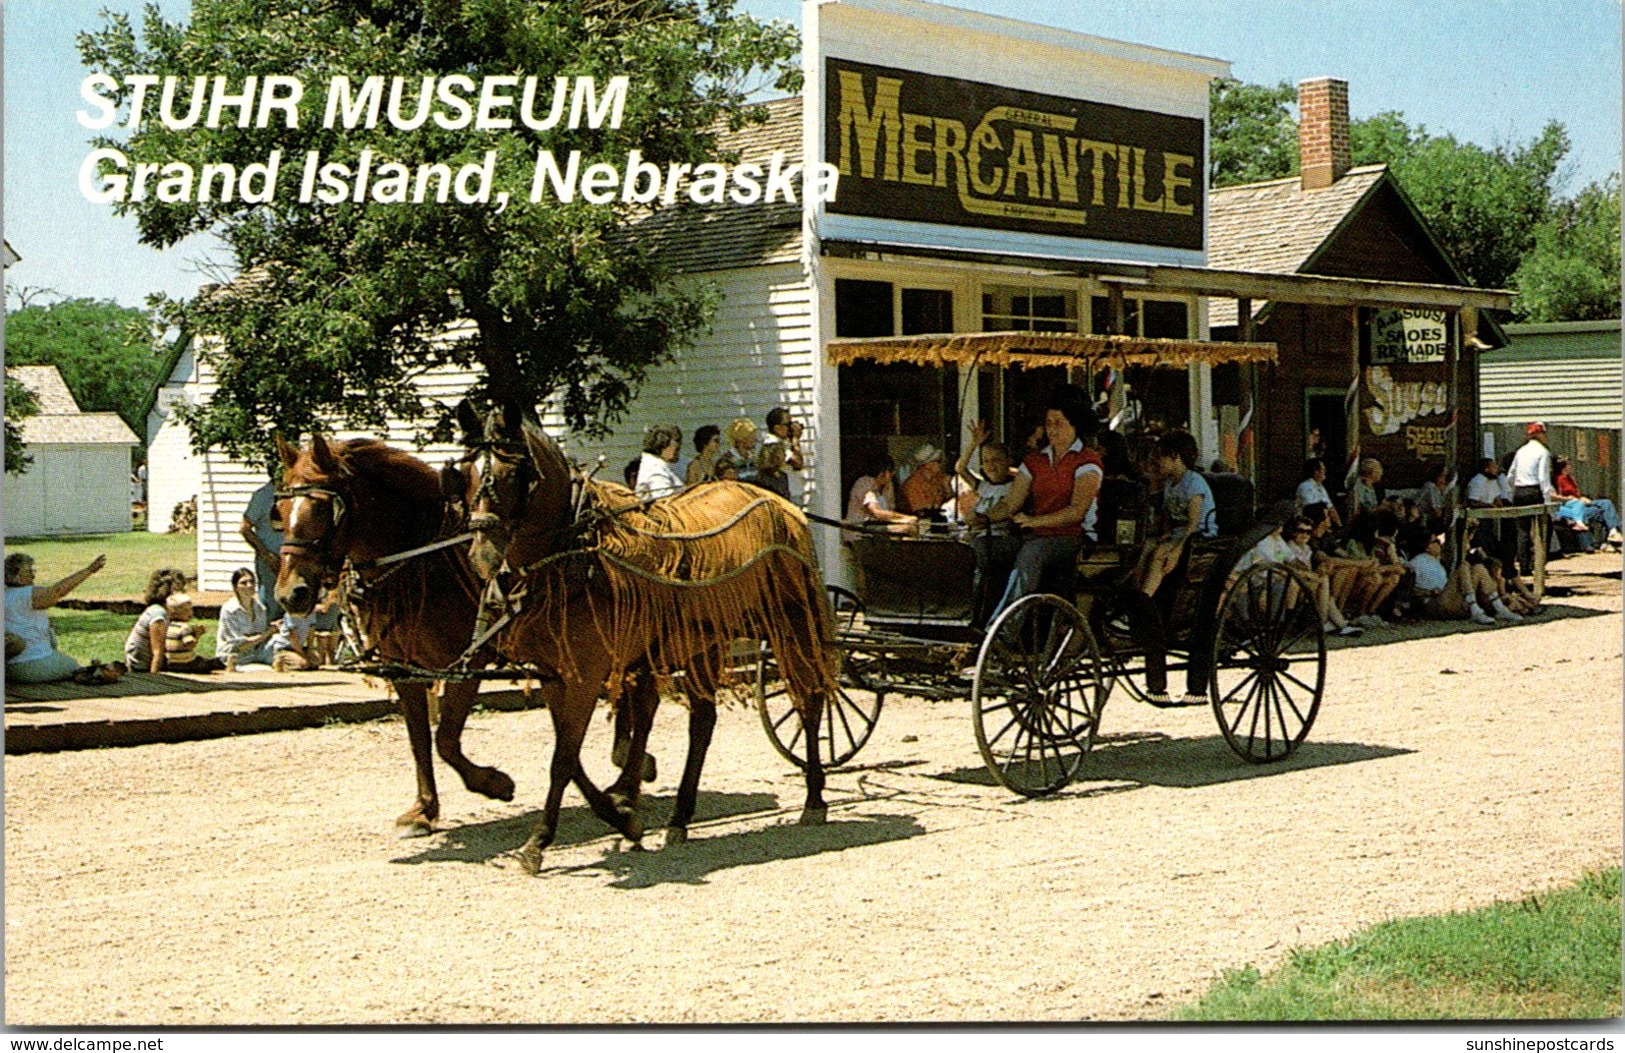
column 1503, row 613
column 1480, row 617
column 1615, row 537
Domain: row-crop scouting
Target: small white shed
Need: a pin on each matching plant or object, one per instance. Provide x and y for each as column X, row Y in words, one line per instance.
column 79, row 480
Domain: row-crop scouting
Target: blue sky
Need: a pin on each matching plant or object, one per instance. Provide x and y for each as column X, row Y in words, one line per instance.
column 1486, row 71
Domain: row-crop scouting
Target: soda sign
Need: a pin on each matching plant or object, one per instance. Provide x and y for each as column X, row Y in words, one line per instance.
column 1407, row 335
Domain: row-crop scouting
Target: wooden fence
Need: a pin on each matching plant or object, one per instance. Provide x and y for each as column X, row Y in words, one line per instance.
column 1595, row 453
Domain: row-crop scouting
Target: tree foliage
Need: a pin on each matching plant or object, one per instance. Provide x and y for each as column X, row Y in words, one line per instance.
column 20, row 403
column 1496, row 211
column 1253, row 136
column 1483, row 204
column 1572, row 273
column 344, row 305
column 108, row 355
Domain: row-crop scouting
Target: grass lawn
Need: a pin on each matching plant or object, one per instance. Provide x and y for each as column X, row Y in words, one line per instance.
column 131, row 559
column 1552, row 956
column 98, row 636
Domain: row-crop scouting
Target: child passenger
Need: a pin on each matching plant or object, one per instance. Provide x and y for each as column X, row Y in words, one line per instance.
column 1187, row 507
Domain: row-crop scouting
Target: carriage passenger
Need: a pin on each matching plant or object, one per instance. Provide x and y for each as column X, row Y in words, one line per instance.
column 1188, row 506
column 995, row 543
column 873, row 499
column 657, row 469
column 740, row 455
column 1053, row 496
column 928, row 487
column 770, row 471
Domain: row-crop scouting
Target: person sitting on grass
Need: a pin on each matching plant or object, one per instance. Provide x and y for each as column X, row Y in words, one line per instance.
column 181, row 639
column 144, row 648
column 293, row 647
column 37, row 660
column 244, row 634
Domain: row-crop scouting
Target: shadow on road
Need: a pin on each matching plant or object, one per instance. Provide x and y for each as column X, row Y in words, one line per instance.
column 40, row 698
column 1155, row 759
column 691, row 863
column 483, row 842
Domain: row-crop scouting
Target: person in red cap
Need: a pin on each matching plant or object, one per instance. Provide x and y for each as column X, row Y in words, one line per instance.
column 1531, row 480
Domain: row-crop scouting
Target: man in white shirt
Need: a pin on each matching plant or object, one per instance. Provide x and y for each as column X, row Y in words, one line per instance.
column 1312, row 491
column 1484, row 489
column 1531, row 480
column 657, row 469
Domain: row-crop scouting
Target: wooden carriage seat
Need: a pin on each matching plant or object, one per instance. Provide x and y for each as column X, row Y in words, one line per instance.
column 1232, row 499
column 916, row 581
column 1122, row 511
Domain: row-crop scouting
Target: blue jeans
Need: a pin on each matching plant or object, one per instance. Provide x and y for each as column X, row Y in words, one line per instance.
column 1038, row 558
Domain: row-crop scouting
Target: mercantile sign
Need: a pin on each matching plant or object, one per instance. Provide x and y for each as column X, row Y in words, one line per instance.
column 914, row 146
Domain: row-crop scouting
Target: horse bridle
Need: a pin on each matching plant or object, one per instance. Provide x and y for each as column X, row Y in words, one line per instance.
column 298, row 546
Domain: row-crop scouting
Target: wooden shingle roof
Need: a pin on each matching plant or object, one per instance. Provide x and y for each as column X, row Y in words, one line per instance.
column 59, row 419
column 692, row 238
column 50, row 391
column 1277, row 227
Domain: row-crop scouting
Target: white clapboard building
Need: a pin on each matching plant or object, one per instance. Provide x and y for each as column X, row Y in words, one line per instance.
column 79, row 479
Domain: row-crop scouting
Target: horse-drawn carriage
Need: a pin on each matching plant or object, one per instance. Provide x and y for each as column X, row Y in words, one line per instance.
column 1252, row 644
column 1045, row 668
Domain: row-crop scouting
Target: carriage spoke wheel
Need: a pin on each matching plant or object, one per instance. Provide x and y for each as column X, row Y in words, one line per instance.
column 1039, row 689
column 850, row 714
column 1269, row 662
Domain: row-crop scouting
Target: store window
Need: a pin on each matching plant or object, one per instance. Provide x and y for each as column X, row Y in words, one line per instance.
column 893, row 408
column 1012, row 400
column 1151, row 397
column 1015, row 308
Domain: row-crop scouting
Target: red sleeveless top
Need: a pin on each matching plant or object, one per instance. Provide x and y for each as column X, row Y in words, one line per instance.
column 1051, row 488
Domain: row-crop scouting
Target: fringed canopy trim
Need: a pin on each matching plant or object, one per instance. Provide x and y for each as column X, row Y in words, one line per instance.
column 1033, row 350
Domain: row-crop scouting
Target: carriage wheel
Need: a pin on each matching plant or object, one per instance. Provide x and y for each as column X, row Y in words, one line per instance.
column 1039, row 690
column 850, row 714
column 1269, row 662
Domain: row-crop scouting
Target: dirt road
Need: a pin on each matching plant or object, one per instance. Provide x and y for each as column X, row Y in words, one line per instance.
column 256, row 881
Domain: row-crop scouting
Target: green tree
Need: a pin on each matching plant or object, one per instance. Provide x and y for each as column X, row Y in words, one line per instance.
column 20, row 403
column 344, row 304
column 108, row 355
column 1483, row 205
column 1253, row 134
column 1572, row 272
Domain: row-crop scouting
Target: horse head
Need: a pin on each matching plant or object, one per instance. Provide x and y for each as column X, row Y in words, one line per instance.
column 347, row 501
column 517, row 487
column 310, row 512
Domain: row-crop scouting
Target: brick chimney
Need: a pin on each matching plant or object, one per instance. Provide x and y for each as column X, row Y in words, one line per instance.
column 1323, row 132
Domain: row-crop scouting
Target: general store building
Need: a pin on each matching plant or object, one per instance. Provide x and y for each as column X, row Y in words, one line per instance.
column 999, row 178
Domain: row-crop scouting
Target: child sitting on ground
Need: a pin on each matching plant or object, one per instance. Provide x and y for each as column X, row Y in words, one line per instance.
column 292, row 648
column 181, row 639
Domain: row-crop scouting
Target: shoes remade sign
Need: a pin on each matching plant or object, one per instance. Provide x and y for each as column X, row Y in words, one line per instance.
column 915, row 146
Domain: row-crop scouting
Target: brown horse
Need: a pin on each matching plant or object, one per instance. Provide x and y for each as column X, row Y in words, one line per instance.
column 356, row 502
column 596, row 583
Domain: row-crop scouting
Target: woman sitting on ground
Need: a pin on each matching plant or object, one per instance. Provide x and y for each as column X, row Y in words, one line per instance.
column 144, row 649
column 38, row 661
column 1298, row 535
column 244, row 634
